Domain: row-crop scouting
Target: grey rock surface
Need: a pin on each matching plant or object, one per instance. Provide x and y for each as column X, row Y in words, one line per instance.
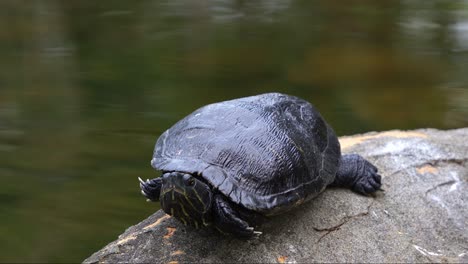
column 422, row 216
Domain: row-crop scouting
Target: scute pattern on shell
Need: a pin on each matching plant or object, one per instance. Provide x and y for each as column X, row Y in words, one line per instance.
column 267, row 152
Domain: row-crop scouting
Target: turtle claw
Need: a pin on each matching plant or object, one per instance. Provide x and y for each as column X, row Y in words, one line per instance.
column 255, row 233
column 141, row 181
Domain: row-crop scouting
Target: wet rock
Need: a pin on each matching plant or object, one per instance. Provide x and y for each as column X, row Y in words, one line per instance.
column 422, row 216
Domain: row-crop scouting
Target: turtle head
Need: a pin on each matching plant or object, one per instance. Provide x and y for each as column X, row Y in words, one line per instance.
column 186, row 198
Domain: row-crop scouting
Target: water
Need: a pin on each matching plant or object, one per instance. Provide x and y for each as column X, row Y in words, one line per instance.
column 86, row 88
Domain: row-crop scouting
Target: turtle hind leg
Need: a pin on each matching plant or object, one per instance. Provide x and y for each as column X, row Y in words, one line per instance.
column 358, row 174
column 228, row 220
column 151, row 189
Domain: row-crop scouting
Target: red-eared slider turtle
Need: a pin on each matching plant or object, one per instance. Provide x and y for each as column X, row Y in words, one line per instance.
column 228, row 162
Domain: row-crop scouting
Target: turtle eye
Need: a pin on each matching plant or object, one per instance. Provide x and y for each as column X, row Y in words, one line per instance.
column 191, row 182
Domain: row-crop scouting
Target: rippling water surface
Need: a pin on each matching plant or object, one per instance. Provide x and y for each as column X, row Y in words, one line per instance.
column 86, row 87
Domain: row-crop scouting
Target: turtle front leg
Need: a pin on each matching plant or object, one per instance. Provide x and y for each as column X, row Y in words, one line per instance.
column 227, row 218
column 151, row 189
column 358, row 174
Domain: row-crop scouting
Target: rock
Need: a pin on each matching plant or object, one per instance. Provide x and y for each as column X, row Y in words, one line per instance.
column 421, row 216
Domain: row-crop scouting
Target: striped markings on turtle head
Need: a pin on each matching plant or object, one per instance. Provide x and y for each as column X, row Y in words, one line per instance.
column 186, row 198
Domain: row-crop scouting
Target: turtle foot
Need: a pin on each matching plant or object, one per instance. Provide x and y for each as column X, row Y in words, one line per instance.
column 369, row 181
column 358, row 174
column 151, row 189
column 228, row 221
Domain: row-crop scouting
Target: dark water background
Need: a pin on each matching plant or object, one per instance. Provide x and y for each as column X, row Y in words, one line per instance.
column 86, row 87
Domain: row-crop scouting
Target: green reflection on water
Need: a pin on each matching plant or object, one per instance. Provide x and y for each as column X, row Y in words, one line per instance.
column 86, row 88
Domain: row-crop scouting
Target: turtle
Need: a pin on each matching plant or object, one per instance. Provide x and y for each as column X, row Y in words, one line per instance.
column 231, row 163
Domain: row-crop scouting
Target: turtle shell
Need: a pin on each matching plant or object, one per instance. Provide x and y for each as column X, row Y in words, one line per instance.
column 267, row 153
